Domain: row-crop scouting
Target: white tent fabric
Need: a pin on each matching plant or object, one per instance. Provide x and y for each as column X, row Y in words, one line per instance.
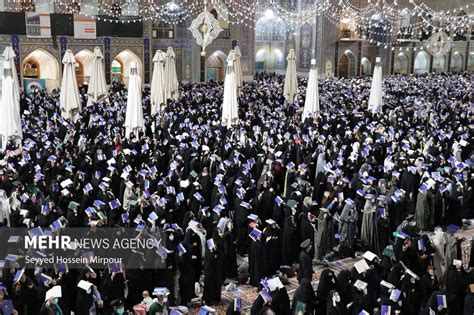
column 230, row 105
column 157, row 83
column 238, row 67
column 69, row 100
column 134, row 114
column 311, row 104
column 9, row 55
column 376, row 93
column 10, row 121
column 171, row 79
column 291, row 85
column 97, row 87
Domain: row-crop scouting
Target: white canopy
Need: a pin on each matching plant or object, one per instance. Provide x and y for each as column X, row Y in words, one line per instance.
column 134, row 114
column 375, row 99
column 291, row 85
column 10, row 121
column 311, row 103
column 238, row 67
column 97, row 87
column 69, row 100
column 171, row 79
column 230, row 105
column 158, row 83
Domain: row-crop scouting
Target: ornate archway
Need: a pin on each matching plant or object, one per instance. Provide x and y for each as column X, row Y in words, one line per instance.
column 421, row 63
column 457, row 62
column 84, row 65
column 42, row 68
column 400, row 65
column 215, row 66
column 260, row 58
column 366, row 66
column 125, row 58
column 347, row 65
column 439, row 63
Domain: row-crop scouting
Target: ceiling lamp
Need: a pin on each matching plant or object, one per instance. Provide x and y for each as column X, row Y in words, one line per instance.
column 269, row 14
column 205, row 28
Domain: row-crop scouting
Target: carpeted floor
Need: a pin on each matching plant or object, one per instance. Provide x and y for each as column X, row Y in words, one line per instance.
column 249, row 293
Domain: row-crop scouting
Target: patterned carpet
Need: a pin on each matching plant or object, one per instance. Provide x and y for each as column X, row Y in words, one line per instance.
column 249, row 293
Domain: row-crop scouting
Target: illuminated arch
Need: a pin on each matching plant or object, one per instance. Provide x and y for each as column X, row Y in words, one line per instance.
column 215, row 66
column 84, row 59
column 422, row 63
column 347, row 64
column 400, row 65
column 439, row 63
column 125, row 58
column 366, row 66
column 47, row 68
column 279, row 59
column 457, row 62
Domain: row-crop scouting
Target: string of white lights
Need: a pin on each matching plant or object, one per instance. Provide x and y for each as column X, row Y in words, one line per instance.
column 377, row 19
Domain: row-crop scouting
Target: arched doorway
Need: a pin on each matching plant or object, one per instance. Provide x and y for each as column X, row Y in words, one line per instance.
column 40, row 68
column 279, row 59
column 439, row 63
column 215, row 66
column 79, row 72
column 347, row 65
column 400, row 65
column 421, row 63
column 116, row 71
column 366, row 66
column 84, row 65
column 470, row 62
column 121, row 65
column 270, row 37
column 343, row 66
column 260, row 57
column 457, row 62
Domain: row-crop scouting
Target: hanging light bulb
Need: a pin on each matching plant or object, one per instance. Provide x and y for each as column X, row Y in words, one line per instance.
column 269, row 14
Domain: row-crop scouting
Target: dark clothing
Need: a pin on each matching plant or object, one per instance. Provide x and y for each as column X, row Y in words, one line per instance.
column 306, row 267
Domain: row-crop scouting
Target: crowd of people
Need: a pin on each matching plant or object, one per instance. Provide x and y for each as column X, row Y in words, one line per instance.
column 258, row 203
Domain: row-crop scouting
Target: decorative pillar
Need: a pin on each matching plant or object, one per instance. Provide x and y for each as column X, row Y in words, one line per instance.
column 466, row 55
column 203, row 68
column 412, row 63
column 305, row 41
column 107, row 60
column 449, row 60
column 392, row 57
column 63, row 42
column 146, row 60
column 359, row 57
column 336, row 59
column 318, row 44
column 62, row 52
column 431, row 63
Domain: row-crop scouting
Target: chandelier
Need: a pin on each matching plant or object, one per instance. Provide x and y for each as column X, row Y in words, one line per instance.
column 205, row 28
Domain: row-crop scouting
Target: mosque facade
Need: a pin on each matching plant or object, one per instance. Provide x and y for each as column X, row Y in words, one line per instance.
column 341, row 50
